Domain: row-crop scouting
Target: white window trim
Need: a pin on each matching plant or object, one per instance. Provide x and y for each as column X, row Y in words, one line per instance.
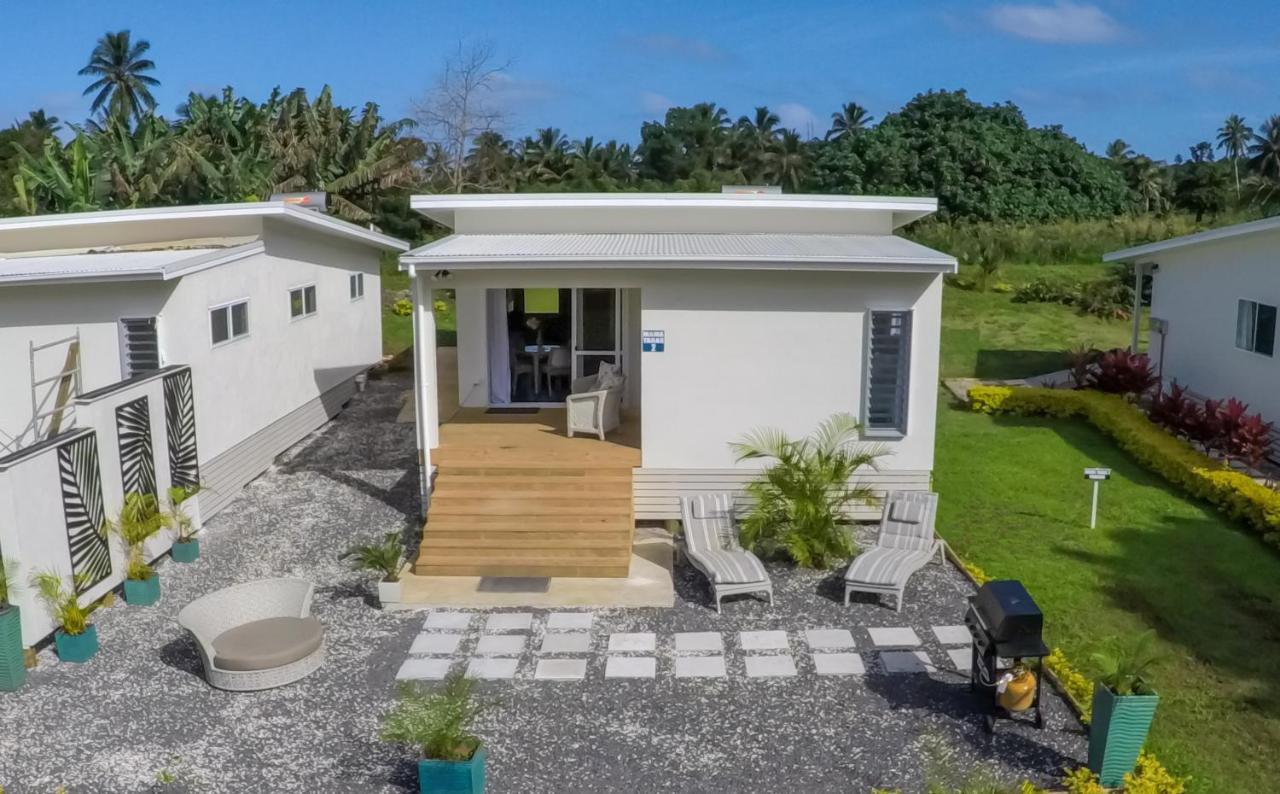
column 885, row 433
column 1252, row 351
column 232, row 339
column 305, row 314
column 351, row 277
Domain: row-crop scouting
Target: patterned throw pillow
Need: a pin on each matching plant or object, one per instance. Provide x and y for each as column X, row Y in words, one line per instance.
column 608, row 377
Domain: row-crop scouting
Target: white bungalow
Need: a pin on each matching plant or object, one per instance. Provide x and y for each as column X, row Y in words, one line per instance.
column 720, row 312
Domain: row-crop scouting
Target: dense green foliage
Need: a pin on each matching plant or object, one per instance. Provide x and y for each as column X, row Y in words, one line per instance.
column 437, row 723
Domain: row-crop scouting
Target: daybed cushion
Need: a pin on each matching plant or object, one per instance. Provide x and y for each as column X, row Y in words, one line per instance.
column 267, row 644
column 886, row 567
column 731, row 567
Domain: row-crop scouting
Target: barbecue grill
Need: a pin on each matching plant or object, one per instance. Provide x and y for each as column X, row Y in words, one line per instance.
column 1005, row 623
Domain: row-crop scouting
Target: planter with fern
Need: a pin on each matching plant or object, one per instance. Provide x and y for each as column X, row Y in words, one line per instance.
column 386, row 559
column 1124, row 706
column 13, row 672
column 139, row 521
column 186, row 546
column 76, row 639
column 437, row 724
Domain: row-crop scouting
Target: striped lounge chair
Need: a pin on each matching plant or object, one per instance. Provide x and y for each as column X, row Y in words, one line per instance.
column 711, row 543
column 906, row 543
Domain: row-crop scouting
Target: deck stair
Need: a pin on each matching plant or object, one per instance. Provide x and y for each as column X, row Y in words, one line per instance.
column 552, row 520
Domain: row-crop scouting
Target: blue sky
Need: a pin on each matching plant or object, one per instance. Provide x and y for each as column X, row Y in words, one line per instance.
column 1162, row 75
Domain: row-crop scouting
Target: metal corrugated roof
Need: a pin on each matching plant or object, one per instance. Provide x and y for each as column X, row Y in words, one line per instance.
column 117, row 265
column 802, row 251
column 1199, row 238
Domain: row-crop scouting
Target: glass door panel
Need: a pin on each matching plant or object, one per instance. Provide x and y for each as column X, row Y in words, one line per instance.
column 597, row 329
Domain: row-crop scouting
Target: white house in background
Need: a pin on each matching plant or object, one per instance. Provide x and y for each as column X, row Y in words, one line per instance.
column 725, row 312
column 1214, row 297
column 152, row 347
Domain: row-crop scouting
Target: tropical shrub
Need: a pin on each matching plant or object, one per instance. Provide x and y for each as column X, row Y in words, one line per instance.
column 1173, row 409
column 1109, row 299
column 1043, row 290
column 437, row 724
column 1123, row 666
column 799, row 502
column 386, row 558
column 177, row 518
column 402, row 307
column 61, row 601
column 139, row 521
column 8, row 582
column 1120, row 371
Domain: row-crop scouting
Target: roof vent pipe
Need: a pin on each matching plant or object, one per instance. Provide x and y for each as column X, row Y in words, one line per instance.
column 317, row 201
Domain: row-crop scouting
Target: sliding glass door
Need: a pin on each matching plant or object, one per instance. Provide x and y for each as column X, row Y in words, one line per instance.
column 597, row 329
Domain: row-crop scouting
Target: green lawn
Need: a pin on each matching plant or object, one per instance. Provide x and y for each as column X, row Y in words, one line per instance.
column 397, row 331
column 1014, row 502
column 987, row 335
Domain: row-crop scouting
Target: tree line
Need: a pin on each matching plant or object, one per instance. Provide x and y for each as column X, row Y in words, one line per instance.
column 985, row 163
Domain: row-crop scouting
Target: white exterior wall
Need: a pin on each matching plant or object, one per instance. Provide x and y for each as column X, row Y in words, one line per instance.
column 1196, row 290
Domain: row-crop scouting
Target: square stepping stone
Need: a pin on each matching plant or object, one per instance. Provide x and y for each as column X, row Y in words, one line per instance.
column 962, row 658
column 907, row 662
column 438, row 644
column 569, row 621
column 763, row 640
column 829, row 638
column 424, row 669
column 838, row 664
column 700, row 667
column 694, row 641
column 500, row 645
column 509, row 621
column 894, row 638
column 566, row 642
column 631, row 667
column 777, row 666
column 952, row 635
column 561, row 669
column 635, row 641
column 492, row 668
column 448, row 620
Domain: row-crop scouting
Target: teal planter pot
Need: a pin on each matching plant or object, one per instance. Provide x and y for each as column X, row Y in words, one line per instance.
column 452, row 777
column 185, row 550
column 13, row 673
column 1117, row 732
column 76, row 647
column 142, row 592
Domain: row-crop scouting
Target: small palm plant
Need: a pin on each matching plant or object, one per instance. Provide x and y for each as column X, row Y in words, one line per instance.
column 438, row 724
column 139, row 521
column 8, row 582
column 800, row 501
column 61, row 601
column 1124, row 666
column 386, row 558
column 177, row 517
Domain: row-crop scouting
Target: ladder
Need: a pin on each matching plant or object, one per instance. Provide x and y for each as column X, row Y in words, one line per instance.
column 61, row 388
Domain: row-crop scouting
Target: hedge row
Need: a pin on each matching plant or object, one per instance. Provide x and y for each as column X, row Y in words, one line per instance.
column 1236, row 494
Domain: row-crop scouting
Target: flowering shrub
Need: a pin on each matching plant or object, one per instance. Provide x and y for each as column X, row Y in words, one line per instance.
column 1119, row 371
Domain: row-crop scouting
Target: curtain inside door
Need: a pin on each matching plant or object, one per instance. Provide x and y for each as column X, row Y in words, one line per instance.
column 499, row 347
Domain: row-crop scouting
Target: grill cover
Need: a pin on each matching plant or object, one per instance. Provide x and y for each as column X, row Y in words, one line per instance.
column 1011, row 618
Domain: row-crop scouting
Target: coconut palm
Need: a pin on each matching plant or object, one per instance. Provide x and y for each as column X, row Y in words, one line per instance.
column 852, row 119
column 1119, row 151
column 1233, row 140
column 122, row 87
column 785, row 163
column 1202, row 152
column 1147, row 178
column 1265, row 150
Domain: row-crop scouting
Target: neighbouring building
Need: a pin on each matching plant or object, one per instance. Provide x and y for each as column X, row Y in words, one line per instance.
column 170, row 346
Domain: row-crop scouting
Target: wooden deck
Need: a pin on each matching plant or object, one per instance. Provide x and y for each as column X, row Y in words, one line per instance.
column 515, row 496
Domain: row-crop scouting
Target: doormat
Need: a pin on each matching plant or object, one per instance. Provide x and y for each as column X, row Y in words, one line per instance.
column 533, row 410
column 513, row 584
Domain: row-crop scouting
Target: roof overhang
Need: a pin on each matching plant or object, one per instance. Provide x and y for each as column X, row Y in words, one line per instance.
column 115, row 266
column 800, row 252
column 1200, row 238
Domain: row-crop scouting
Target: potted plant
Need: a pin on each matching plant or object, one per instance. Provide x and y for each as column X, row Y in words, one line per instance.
column 186, row 547
column 139, row 521
column 1123, row 706
column 13, row 672
column 386, row 558
column 438, row 724
column 77, row 639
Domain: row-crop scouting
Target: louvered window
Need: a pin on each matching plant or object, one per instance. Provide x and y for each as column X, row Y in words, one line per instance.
column 888, row 370
column 139, row 346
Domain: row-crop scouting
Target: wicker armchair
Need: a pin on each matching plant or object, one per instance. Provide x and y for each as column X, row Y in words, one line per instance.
column 271, row 616
column 591, row 410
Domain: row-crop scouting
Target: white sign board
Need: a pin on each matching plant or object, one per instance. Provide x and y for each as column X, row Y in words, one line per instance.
column 653, row 341
column 1097, row 474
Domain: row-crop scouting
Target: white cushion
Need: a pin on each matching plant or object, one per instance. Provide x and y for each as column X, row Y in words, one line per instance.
column 607, row 377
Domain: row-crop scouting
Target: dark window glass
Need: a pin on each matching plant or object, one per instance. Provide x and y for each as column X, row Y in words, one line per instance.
column 218, row 325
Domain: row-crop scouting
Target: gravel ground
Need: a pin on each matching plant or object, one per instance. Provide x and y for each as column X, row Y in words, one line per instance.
column 138, row 717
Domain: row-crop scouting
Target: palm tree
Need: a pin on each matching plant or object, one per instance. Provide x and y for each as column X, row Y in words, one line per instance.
column 1148, row 180
column 1265, row 150
column 1119, row 151
column 1233, row 140
column 121, row 86
column 1202, row 152
column 852, row 119
column 785, row 162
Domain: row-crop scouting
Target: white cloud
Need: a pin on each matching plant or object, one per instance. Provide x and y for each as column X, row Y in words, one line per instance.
column 654, row 103
column 1064, row 22
column 665, row 44
column 799, row 118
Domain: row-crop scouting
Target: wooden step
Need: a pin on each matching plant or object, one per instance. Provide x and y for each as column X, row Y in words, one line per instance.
column 618, row 536
column 525, row 507
column 532, row 485
column 579, row 554
column 493, row 566
column 531, row 521
column 446, row 471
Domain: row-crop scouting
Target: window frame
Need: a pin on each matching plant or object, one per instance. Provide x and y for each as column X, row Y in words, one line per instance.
column 315, row 301
column 354, row 280
column 1253, row 327
column 232, row 337
column 904, row 427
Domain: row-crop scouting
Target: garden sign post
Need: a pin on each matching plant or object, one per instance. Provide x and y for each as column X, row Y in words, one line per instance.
column 1097, row 475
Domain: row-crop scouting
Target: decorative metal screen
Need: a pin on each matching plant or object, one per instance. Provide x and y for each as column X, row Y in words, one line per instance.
column 137, row 459
column 180, row 426
column 83, row 509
